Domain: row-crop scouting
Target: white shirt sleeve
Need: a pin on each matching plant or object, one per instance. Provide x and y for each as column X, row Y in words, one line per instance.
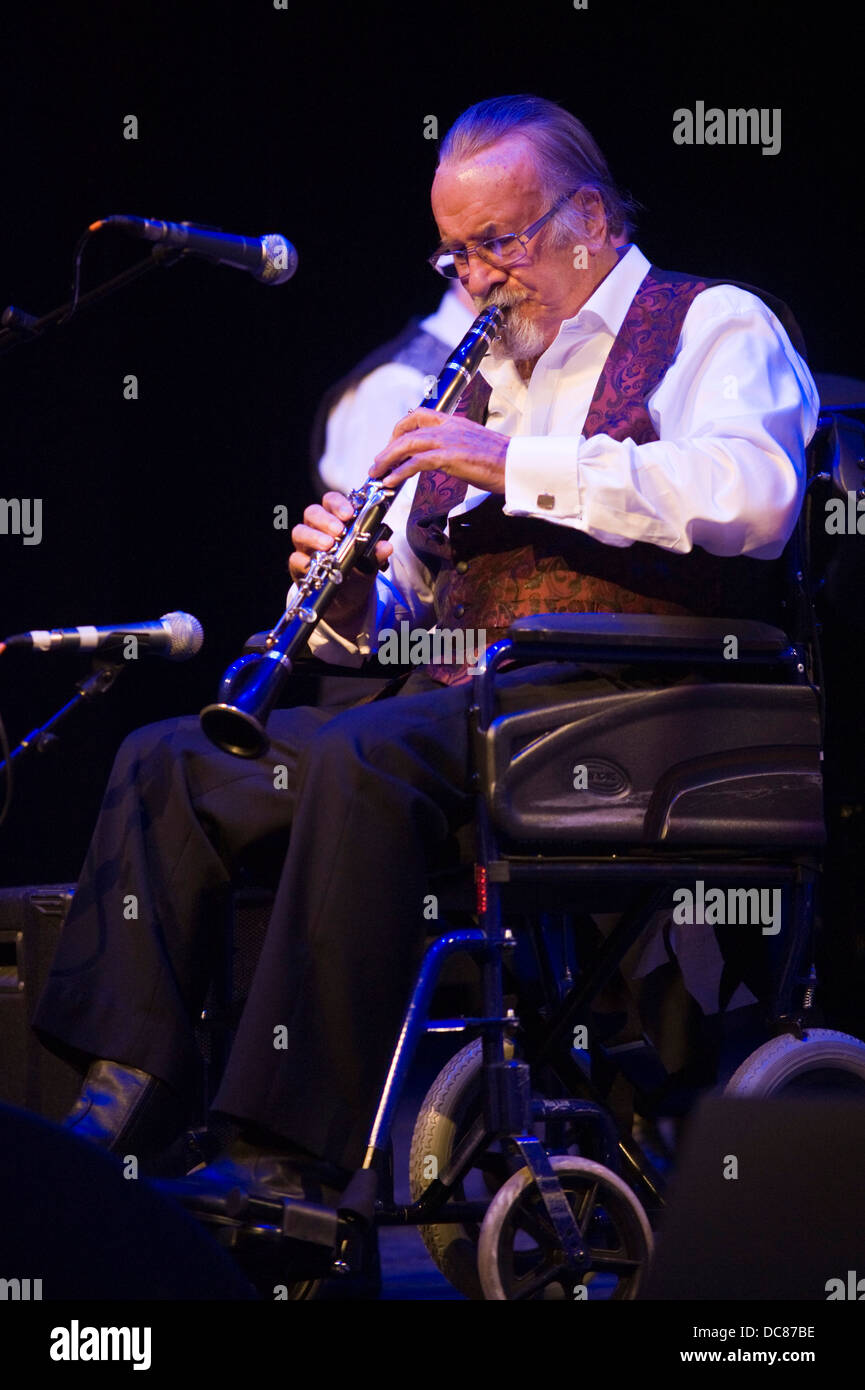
column 733, row 413
column 358, row 427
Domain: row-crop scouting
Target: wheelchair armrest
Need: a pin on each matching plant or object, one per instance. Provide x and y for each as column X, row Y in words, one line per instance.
column 625, row 637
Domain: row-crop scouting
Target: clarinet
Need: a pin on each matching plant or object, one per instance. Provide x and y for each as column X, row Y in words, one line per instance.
column 251, row 685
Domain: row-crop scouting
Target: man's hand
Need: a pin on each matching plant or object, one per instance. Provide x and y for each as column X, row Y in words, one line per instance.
column 322, row 525
column 427, row 439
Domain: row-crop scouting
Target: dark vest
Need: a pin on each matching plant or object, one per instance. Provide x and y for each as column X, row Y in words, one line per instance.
column 495, row 568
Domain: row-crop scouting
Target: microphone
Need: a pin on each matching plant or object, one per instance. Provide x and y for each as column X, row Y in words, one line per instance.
column 177, row 636
column 270, row 258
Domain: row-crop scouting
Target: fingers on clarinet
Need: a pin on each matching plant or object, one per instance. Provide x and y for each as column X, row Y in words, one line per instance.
column 307, row 539
column 338, row 504
column 316, row 517
column 383, row 552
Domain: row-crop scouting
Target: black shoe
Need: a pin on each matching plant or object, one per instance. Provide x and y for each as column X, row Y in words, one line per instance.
column 123, row 1109
column 267, row 1172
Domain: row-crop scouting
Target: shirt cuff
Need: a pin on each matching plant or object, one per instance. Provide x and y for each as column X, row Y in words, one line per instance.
column 542, row 478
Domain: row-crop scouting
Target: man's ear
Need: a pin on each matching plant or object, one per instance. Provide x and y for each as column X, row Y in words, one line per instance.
column 591, row 206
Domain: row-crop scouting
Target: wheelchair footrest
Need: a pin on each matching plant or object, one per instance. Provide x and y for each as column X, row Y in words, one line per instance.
column 305, row 1226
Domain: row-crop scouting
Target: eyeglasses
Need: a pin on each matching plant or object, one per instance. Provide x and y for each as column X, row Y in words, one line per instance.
column 497, row 250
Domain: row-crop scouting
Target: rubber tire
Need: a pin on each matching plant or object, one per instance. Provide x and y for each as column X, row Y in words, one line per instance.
column 510, row 1194
column 771, row 1067
column 441, row 1117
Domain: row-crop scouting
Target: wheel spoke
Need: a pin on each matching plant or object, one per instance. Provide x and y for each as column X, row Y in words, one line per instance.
column 532, row 1283
column 535, row 1221
column 587, row 1207
column 613, row 1260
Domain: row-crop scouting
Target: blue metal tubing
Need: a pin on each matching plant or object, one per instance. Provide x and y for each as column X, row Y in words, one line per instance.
column 413, row 1028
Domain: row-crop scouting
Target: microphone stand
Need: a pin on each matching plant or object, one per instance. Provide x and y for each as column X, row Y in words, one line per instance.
column 21, row 327
column 99, row 682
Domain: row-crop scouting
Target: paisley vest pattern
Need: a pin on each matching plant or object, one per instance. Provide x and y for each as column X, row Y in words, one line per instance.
column 493, row 568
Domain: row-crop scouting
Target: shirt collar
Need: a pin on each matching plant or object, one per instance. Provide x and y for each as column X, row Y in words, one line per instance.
column 611, row 300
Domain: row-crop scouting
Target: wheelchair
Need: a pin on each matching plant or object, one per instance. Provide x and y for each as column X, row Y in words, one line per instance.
column 523, row 1182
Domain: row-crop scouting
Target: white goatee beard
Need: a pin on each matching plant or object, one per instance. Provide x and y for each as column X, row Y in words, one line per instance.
column 520, row 339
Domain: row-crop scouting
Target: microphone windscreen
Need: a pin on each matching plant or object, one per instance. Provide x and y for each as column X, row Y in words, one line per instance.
column 186, row 633
column 279, row 260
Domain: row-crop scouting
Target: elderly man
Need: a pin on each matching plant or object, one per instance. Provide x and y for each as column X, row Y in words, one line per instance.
column 636, row 444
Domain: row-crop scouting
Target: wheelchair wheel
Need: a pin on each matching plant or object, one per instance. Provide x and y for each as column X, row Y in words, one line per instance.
column 519, row 1256
column 821, row 1060
column 449, row 1109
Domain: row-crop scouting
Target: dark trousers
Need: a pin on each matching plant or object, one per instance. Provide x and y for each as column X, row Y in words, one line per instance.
column 366, row 800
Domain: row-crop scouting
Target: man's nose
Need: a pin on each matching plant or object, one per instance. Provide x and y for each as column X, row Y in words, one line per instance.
column 482, row 277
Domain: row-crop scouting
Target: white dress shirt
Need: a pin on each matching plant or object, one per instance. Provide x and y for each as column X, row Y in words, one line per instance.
column 733, row 414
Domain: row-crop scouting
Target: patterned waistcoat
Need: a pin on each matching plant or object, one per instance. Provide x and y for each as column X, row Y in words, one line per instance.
column 495, row 568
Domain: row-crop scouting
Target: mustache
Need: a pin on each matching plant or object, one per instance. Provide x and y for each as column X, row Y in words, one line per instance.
column 500, row 298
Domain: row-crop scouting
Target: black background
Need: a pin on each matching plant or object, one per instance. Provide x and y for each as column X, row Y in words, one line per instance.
column 310, row 121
